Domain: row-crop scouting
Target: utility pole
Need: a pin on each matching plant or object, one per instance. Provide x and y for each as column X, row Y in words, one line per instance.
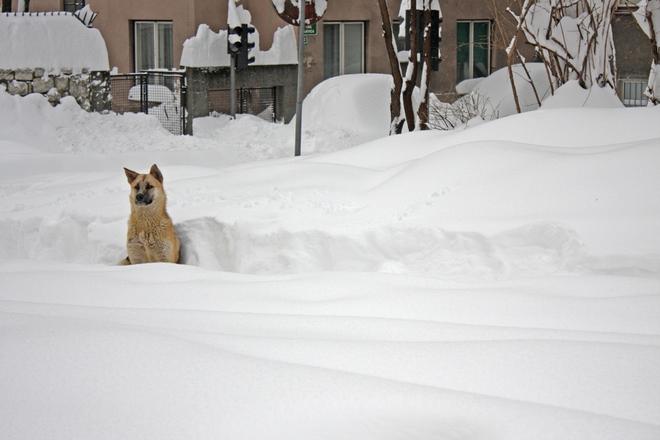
column 301, row 69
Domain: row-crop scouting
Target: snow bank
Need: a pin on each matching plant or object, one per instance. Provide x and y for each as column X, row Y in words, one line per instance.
column 170, row 352
column 51, row 42
column 428, row 285
column 497, row 89
column 572, row 94
column 349, row 105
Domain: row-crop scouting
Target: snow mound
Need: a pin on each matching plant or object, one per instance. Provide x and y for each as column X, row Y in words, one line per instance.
column 68, row 129
column 497, row 89
column 51, row 42
column 349, row 105
column 572, row 94
column 431, row 285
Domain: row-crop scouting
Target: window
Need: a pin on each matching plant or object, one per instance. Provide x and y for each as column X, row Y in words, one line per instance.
column 153, row 45
column 343, row 48
column 401, row 41
column 6, row 5
column 73, row 5
column 473, row 49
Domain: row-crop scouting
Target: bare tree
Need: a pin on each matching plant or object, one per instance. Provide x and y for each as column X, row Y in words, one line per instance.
column 425, row 82
column 572, row 37
column 396, row 122
column 413, row 68
column 648, row 18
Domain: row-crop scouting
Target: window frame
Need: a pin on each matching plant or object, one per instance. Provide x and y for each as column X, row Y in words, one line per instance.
column 342, row 40
column 471, row 45
column 156, row 43
column 73, row 3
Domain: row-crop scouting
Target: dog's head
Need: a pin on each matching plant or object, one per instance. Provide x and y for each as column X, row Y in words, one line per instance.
column 146, row 189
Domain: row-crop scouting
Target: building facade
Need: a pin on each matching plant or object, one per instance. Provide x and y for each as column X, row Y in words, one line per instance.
column 150, row 34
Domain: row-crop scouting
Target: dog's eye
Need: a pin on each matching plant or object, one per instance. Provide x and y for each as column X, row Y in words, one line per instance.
column 148, row 187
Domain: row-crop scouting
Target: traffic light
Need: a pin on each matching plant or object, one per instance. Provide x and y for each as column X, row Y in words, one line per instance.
column 239, row 45
column 234, row 40
column 244, row 58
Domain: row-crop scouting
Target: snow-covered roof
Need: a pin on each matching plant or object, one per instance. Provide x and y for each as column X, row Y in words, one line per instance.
column 52, row 41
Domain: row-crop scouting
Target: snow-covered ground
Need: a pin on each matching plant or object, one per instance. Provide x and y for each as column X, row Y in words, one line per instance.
column 498, row 282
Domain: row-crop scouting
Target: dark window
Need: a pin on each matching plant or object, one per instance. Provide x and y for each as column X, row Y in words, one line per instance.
column 402, row 36
column 153, row 47
column 6, row 5
column 472, row 49
column 343, row 48
column 73, row 5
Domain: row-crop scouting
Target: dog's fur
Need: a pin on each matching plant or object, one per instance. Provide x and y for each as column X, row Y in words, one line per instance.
column 151, row 235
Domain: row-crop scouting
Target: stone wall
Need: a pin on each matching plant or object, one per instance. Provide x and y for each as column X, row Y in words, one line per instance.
column 90, row 89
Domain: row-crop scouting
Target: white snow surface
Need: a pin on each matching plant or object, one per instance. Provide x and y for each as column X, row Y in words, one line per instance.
column 51, row 42
column 497, row 282
column 497, row 88
column 572, row 94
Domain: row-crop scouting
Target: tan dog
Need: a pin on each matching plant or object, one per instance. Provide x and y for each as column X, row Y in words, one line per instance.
column 151, row 235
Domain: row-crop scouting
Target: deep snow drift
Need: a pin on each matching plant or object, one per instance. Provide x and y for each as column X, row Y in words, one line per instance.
column 498, row 282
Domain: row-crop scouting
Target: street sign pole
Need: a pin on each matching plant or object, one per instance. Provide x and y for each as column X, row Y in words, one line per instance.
column 232, row 85
column 301, row 66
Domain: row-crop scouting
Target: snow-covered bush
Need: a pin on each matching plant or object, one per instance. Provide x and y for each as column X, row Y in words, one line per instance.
column 491, row 97
column 573, row 38
column 648, row 18
column 471, row 107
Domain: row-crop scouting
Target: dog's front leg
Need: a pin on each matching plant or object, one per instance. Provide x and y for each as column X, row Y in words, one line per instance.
column 137, row 253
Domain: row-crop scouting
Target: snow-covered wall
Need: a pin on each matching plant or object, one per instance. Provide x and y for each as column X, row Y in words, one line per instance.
column 51, row 42
column 209, row 49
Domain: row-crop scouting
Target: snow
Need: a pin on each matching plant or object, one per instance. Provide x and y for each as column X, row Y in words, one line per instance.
column 279, row 5
column 467, row 86
column 355, row 106
column 209, row 49
column 496, row 282
column 51, row 42
column 566, row 32
column 572, row 94
column 646, row 9
column 155, row 93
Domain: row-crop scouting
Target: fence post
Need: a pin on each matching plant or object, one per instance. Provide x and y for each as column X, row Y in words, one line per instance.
column 186, row 116
column 144, row 92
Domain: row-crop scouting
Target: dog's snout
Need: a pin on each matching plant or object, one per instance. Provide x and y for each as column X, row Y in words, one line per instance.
column 139, row 197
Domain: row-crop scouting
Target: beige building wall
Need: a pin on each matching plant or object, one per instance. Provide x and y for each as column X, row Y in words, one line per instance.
column 116, row 17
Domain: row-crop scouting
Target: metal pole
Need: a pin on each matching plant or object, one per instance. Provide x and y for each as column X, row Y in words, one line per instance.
column 232, row 85
column 301, row 49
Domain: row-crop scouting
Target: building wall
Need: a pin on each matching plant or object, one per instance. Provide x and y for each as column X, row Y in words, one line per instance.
column 116, row 17
column 633, row 48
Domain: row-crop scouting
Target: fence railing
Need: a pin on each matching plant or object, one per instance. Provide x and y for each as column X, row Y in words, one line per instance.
column 261, row 102
column 158, row 93
column 632, row 92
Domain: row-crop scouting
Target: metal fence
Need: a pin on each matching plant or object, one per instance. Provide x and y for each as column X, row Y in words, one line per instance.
column 261, row 102
column 632, row 92
column 158, row 93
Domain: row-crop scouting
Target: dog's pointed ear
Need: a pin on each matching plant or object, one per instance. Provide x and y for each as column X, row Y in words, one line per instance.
column 130, row 175
column 154, row 171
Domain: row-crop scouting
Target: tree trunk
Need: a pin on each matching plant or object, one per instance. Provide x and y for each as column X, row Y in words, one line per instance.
column 396, row 124
column 413, row 68
column 423, row 111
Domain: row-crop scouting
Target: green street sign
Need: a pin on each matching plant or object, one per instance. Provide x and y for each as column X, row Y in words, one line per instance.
column 310, row 29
